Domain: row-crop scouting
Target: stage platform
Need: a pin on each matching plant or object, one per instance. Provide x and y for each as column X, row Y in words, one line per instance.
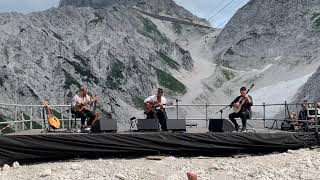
column 36, row 147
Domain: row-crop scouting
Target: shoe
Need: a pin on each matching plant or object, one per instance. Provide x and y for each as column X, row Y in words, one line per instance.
column 243, row 129
column 87, row 128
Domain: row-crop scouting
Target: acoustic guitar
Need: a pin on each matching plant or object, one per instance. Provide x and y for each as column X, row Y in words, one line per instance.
column 81, row 106
column 241, row 101
column 149, row 107
column 53, row 121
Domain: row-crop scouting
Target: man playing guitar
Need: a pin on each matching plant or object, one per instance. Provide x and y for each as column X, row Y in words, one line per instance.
column 155, row 107
column 242, row 107
column 80, row 104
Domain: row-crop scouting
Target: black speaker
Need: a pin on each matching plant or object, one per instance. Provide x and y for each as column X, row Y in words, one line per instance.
column 221, row 125
column 105, row 125
column 148, row 125
column 176, row 124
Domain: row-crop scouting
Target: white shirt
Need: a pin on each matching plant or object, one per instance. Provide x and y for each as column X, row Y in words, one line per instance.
column 81, row 100
column 153, row 99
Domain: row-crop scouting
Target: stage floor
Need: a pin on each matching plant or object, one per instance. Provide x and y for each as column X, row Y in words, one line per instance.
column 37, row 146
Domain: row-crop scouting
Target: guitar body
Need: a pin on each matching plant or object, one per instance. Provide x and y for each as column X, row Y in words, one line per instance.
column 79, row 107
column 53, row 121
column 149, row 107
column 237, row 109
column 241, row 101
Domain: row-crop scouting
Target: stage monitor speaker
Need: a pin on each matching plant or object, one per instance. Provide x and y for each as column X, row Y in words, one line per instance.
column 221, row 125
column 105, row 125
column 148, row 125
column 176, row 124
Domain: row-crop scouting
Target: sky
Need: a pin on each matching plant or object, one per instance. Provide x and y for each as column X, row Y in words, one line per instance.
column 217, row 11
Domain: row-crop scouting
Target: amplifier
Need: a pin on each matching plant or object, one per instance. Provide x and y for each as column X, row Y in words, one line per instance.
column 148, row 125
column 221, row 125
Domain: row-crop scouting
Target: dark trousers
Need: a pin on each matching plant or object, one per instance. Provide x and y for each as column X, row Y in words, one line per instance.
column 162, row 117
column 85, row 114
column 243, row 115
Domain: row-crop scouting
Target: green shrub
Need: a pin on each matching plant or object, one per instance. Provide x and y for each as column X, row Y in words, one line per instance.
column 177, row 27
column 316, row 23
column 170, row 62
column 228, row 74
column 169, row 82
column 69, row 80
column 314, row 16
column 115, row 78
column 138, row 102
column 151, row 31
column 230, row 52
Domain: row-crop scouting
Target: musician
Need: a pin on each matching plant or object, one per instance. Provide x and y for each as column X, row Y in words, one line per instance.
column 155, row 108
column 81, row 103
column 245, row 111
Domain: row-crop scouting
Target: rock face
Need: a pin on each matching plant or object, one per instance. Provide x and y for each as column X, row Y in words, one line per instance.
column 264, row 32
column 109, row 46
column 270, row 43
column 166, row 7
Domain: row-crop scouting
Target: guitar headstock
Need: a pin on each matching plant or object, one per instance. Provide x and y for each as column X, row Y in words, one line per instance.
column 45, row 103
column 252, row 85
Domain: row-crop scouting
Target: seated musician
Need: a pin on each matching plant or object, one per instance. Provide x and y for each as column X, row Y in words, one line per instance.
column 155, row 108
column 81, row 103
column 243, row 103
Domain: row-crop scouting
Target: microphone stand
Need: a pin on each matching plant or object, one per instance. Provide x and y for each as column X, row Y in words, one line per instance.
column 221, row 111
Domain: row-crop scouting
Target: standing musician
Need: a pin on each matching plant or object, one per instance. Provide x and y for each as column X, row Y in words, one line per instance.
column 155, row 107
column 243, row 103
column 81, row 103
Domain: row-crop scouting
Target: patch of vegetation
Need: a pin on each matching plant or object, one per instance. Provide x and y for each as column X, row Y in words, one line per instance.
column 83, row 69
column 182, row 51
column 228, row 74
column 1, row 81
column 177, row 27
column 170, row 62
column 69, row 80
column 254, row 34
column 57, row 36
column 314, row 16
column 151, row 31
column 35, row 125
column 230, row 52
column 115, row 79
column 98, row 17
column 138, row 102
column 169, row 82
column 316, row 23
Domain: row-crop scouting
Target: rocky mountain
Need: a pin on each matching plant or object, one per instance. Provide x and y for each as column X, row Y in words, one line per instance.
column 111, row 46
column 262, row 31
column 273, row 44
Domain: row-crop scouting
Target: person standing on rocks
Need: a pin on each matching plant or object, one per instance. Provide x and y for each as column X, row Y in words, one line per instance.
column 154, row 107
column 242, row 107
column 80, row 104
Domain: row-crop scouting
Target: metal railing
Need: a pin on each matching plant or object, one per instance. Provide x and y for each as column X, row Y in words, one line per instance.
column 23, row 117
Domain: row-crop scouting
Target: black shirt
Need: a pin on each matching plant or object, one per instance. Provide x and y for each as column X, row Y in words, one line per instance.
column 246, row 105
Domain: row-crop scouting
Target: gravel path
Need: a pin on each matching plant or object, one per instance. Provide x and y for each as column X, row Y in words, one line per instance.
column 299, row 164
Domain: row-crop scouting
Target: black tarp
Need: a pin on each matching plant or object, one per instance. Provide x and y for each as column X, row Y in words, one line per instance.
column 33, row 148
